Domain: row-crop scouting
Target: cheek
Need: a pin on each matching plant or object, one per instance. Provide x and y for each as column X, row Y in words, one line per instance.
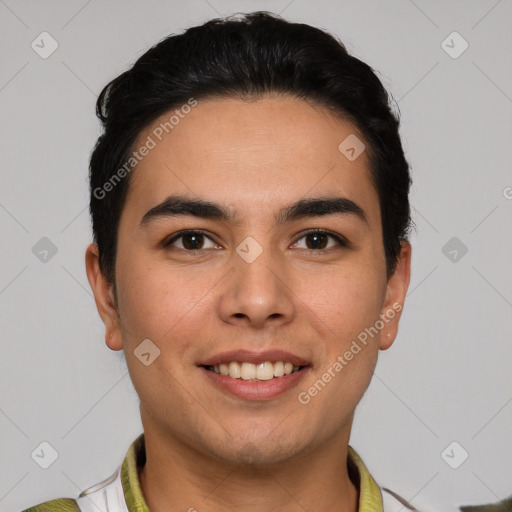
column 348, row 310
column 347, row 299
column 348, row 304
column 149, row 303
column 155, row 306
column 167, row 306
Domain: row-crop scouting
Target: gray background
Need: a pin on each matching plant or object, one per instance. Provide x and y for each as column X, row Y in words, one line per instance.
column 447, row 378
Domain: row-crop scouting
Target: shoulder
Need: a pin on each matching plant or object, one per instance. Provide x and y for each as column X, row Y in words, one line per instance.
column 57, row 505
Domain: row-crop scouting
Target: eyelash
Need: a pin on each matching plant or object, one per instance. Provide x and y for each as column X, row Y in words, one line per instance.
column 340, row 240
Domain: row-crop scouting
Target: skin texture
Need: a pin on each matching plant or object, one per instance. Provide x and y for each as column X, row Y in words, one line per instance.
column 205, row 448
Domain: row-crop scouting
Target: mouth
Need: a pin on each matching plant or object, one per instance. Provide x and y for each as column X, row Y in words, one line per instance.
column 245, row 370
column 255, row 376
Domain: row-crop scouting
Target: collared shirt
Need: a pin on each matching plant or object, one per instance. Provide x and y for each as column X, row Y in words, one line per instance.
column 121, row 492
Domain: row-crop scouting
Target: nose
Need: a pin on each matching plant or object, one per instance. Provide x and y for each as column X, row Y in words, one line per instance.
column 257, row 293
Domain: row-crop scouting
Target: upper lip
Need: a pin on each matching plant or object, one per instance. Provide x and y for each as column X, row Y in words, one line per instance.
column 248, row 356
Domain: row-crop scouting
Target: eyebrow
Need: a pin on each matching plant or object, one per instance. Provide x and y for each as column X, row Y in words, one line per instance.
column 176, row 205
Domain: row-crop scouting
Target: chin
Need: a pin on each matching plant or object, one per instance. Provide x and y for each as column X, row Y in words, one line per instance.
column 254, row 452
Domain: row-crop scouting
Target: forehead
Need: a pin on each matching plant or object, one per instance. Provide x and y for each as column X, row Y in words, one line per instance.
column 251, row 155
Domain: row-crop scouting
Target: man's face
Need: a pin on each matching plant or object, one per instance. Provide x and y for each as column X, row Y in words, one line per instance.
column 252, row 282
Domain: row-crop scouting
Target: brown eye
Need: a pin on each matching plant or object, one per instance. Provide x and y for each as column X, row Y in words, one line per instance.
column 319, row 240
column 191, row 241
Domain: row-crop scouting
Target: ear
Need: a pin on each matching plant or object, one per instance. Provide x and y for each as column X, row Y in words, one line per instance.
column 104, row 297
column 397, row 287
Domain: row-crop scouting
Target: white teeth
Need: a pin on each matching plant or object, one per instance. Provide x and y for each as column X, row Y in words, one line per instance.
column 265, row 371
column 234, row 370
column 278, row 369
column 250, row 371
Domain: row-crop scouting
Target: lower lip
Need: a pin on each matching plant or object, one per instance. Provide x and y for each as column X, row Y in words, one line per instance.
column 256, row 390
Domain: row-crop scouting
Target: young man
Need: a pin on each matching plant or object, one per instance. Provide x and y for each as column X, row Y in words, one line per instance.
column 249, row 198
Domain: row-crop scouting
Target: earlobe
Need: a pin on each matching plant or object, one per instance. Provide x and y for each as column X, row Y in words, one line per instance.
column 396, row 291
column 104, row 298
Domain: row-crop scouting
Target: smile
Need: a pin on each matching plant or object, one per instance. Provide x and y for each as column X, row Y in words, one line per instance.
column 254, row 372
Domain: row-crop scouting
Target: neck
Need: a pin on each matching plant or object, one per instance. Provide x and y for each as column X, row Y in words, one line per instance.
column 174, row 479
